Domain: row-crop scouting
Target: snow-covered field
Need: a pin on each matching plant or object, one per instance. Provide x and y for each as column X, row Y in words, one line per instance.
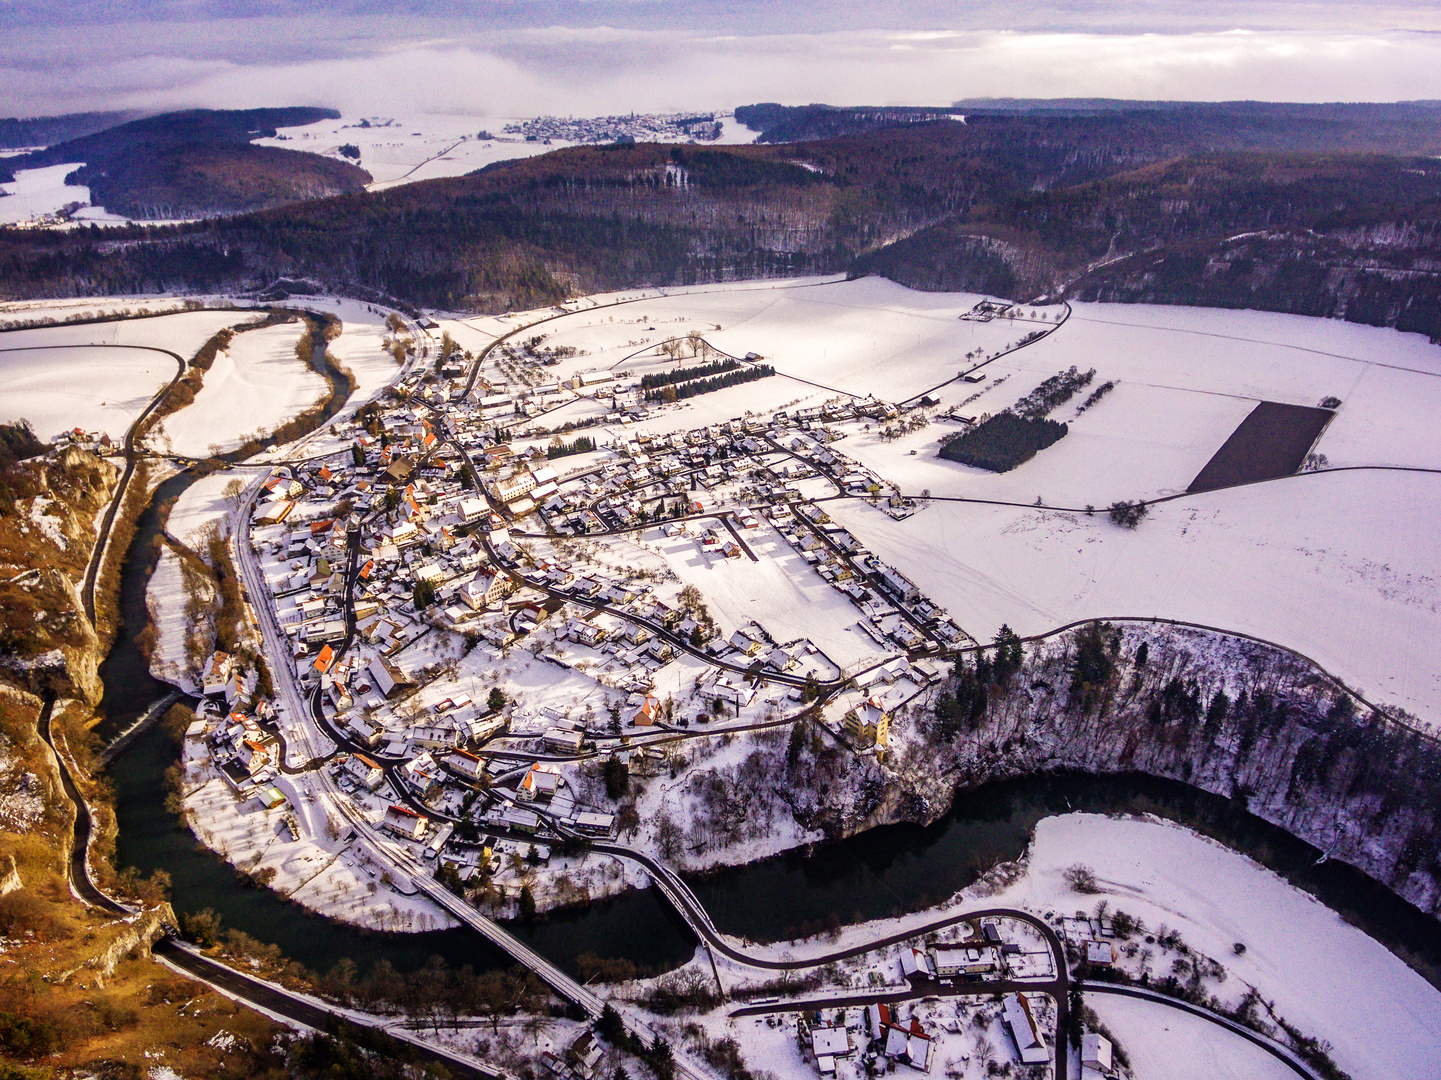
column 1167, row 1044
column 165, row 599
column 57, row 377
column 1326, row 977
column 256, row 384
column 37, row 192
column 781, row 592
column 1340, row 566
column 360, row 346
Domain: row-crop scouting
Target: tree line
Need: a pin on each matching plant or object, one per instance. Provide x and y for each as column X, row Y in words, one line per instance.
column 680, row 392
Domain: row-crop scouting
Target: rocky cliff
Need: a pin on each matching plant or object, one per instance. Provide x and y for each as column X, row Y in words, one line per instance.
column 1229, row 716
column 49, row 507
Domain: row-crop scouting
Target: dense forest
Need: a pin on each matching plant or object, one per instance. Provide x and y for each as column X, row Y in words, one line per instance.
column 190, row 164
column 1325, row 211
column 1001, row 442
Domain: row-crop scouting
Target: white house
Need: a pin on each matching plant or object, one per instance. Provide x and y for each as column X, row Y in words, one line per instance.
column 1096, row 1056
column 364, row 771
column 486, row 588
column 1016, row 1014
column 404, row 822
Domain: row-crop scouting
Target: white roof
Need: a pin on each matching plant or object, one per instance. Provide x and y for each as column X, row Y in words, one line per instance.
column 1096, row 1051
column 1028, row 1044
column 830, row 1040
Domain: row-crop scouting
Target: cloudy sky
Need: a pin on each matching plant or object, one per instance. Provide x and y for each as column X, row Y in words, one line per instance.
column 586, row 57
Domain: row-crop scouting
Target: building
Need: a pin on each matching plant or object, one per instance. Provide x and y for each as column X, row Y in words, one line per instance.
column 364, row 771
column 564, row 742
column 584, row 1054
column 486, row 588
column 1016, row 1015
column 464, row 764
column 648, row 712
column 527, row 821
column 216, row 675
column 952, row 960
column 388, row 678
column 1097, row 1058
column 869, row 724
column 595, row 824
column 909, row 1045
column 404, row 822
column 904, row 1041
column 831, row 1042
column 540, row 784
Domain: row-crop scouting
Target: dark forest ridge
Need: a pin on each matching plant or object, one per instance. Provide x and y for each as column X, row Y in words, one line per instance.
column 1326, row 217
column 198, row 163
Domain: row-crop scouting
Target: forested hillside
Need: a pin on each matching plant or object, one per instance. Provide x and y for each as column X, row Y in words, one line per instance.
column 198, row 163
column 1294, row 211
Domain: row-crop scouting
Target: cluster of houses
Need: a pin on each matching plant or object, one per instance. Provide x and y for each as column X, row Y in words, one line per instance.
column 415, row 528
column 890, row 1033
column 97, row 442
column 886, row 1032
column 642, row 127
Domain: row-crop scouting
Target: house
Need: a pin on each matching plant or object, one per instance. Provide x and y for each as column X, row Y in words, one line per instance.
column 515, row 488
column 423, row 774
column 744, row 643
column 951, row 960
column 324, row 660
column 584, row 1054
column 914, row 965
column 564, row 742
column 910, row 1045
column 869, row 724
column 404, row 822
column 648, row 712
column 1096, row 1056
column 253, row 755
column 538, row 784
column 464, row 763
column 364, row 771
column 388, row 678
column 595, row 824
column 486, row 588
column 832, row 1042
column 511, row 817
column 216, row 674
column 1100, row 953
column 273, row 513
column 1016, row 1015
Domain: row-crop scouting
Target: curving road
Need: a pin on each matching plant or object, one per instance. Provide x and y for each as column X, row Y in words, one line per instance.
column 1282, row 1053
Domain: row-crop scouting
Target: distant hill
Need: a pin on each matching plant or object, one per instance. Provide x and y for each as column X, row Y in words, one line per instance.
column 1336, row 213
column 16, row 133
column 800, row 123
column 199, row 163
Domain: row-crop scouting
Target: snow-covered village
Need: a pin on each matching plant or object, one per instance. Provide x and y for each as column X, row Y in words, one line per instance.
column 776, row 674
column 617, row 594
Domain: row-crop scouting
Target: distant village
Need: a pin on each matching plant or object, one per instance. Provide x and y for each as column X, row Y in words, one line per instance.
column 629, row 128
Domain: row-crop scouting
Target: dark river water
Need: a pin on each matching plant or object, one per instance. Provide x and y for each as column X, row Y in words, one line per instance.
column 885, row 871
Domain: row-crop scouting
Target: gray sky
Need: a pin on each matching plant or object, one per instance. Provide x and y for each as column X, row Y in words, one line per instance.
column 501, row 57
